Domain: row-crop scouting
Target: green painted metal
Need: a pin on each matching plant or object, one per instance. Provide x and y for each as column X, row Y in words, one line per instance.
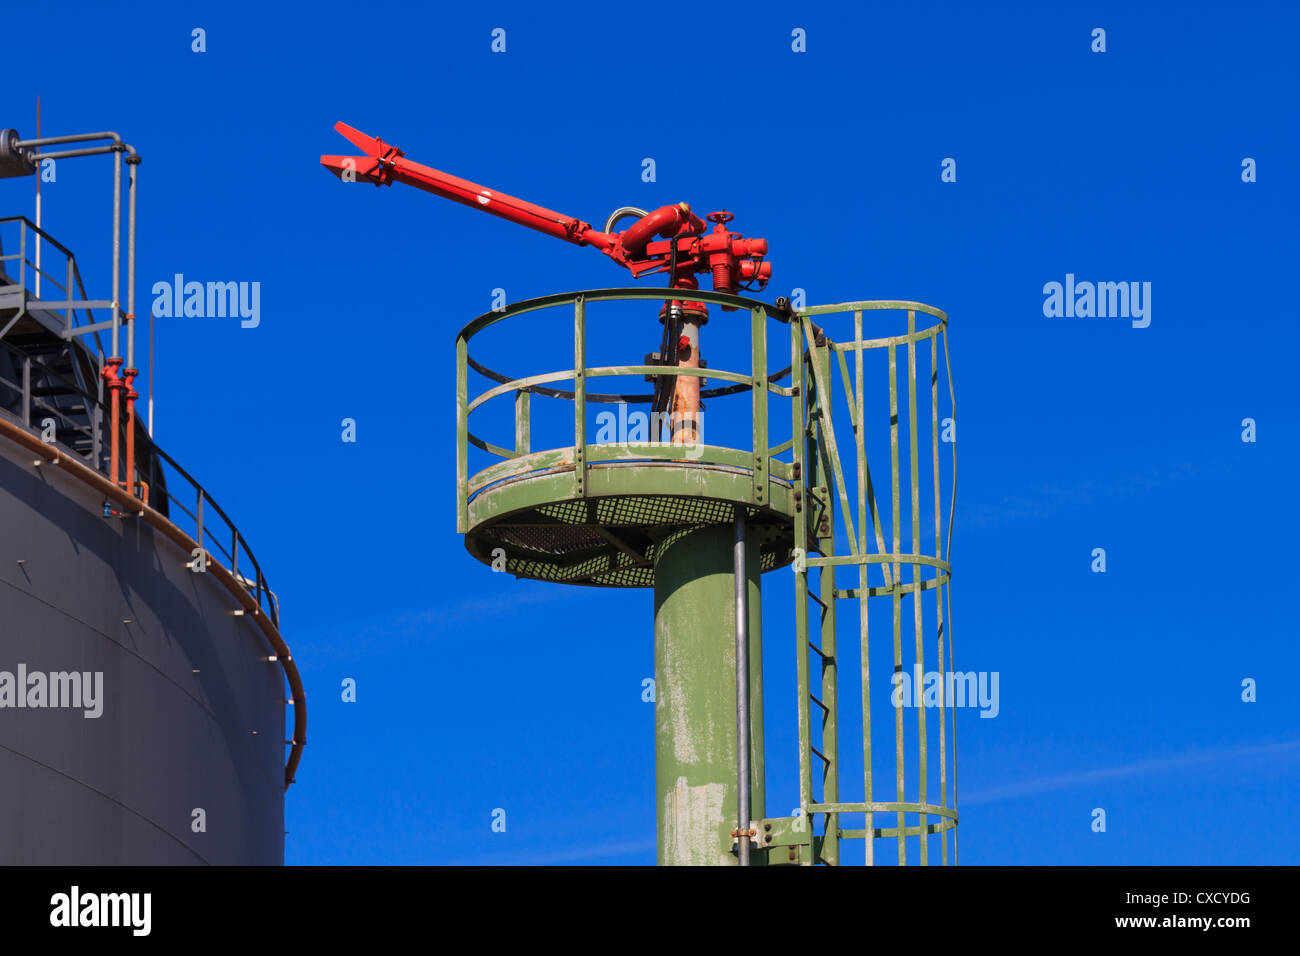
column 783, row 832
column 896, row 603
column 522, row 424
column 462, row 433
column 829, row 478
column 654, row 514
column 695, row 697
column 938, row 593
column 914, row 832
column 758, row 388
column 858, row 408
column 580, row 398
column 804, row 517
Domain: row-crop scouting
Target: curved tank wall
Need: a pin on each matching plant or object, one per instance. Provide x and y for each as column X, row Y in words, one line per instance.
column 193, row 713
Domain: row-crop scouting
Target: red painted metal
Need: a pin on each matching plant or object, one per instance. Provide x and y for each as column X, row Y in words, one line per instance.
column 130, row 394
column 115, row 386
column 670, row 239
column 645, row 247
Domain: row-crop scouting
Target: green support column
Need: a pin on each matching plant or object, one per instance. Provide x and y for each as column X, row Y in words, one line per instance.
column 695, row 697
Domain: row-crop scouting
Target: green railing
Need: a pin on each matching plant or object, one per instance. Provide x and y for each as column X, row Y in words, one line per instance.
column 759, row 458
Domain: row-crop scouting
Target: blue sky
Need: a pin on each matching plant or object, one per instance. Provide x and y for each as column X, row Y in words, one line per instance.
column 1119, row 690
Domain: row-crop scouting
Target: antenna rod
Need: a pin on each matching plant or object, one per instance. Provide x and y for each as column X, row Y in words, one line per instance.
column 38, row 209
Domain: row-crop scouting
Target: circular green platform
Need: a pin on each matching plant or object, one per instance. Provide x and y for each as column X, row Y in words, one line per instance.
column 610, row 535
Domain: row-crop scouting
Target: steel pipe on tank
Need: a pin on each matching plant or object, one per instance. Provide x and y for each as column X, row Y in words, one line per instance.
column 72, row 138
column 124, row 382
column 117, row 147
column 131, row 371
column 132, row 162
column 117, row 252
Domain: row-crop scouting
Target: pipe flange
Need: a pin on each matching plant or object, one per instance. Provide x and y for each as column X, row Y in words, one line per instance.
column 14, row 159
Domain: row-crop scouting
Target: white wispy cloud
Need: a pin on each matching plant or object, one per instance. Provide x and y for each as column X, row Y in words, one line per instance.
column 404, row 630
column 1066, row 781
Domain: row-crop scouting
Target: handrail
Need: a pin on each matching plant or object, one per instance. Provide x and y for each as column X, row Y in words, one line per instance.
column 41, row 232
column 487, row 319
column 761, row 458
column 265, row 605
column 72, row 275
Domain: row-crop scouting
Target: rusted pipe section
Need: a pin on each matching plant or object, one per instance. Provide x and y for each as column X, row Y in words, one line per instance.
column 684, row 320
column 88, row 476
column 111, row 365
column 128, row 377
column 686, row 388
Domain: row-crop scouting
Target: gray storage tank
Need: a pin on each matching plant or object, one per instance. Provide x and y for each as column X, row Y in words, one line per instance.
column 143, row 679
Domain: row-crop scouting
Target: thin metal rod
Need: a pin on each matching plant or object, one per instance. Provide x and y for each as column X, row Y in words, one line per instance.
column 896, row 599
column 863, row 592
column 802, row 449
column 938, row 591
column 74, row 153
column 117, row 254
column 130, row 264
column 116, row 146
column 913, row 449
column 151, row 371
column 75, row 138
column 947, row 555
column 38, row 207
column 742, row 686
